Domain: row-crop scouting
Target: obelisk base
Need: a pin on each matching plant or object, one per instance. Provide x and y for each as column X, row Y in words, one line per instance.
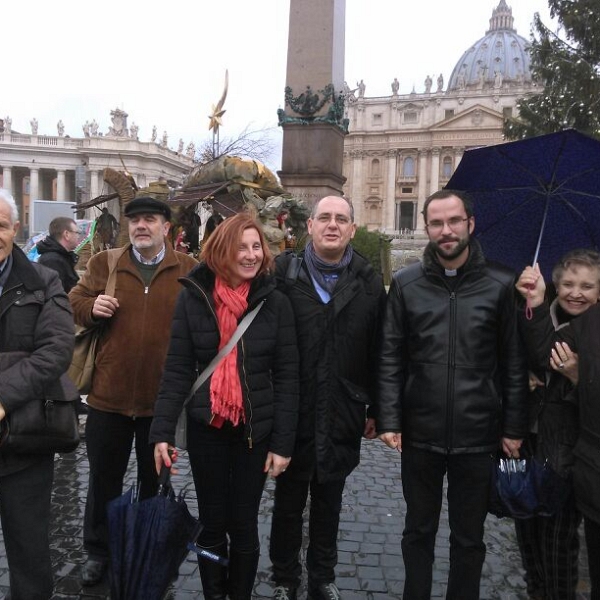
column 311, row 161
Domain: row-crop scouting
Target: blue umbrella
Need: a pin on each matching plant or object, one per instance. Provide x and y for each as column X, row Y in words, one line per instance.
column 148, row 541
column 534, row 199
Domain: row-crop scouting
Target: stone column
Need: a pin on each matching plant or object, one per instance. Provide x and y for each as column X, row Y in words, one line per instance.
column 435, row 170
column 358, row 200
column 389, row 222
column 93, row 184
column 34, row 185
column 313, row 137
column 393, row 115
column 458, row 154
column 60, row 184
column 360, row 116
column 7, row 179
column 422, row 190
column 34, row 194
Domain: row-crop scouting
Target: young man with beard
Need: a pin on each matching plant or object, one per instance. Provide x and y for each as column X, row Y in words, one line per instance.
column 452, row 390
column 129, row 363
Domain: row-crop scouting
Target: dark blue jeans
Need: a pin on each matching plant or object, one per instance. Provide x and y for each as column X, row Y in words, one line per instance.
column 291, row 493
column 229, row 478
column 109, row 438
column 468, row 493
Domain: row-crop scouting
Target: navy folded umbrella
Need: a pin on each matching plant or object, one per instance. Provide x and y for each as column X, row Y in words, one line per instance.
column 148, row 541
column 534, row 199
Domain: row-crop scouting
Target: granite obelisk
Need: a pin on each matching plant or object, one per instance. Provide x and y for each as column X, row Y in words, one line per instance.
column 313, row 119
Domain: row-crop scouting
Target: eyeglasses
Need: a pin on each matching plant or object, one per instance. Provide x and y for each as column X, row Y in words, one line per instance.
column 73, row 231
column 325, row 218
column 454, row 223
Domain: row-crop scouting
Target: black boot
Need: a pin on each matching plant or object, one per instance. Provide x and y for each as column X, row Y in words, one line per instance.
column 213, row 575
column 242, row 573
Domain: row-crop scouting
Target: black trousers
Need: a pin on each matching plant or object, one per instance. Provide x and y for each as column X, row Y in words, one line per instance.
column 229, row 478
column 592, row 541
column 291, row 493
column 25, row 514
column 109, row 439
column 468, row 493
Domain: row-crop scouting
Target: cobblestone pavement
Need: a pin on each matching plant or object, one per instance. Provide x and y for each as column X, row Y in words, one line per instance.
column 370, row 561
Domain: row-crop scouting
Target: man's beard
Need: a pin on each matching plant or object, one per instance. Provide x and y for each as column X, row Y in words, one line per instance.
column 455, row 252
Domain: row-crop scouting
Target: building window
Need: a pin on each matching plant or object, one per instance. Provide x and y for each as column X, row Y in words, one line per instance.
column 377, row 119
column 375, row 167
column 374, row 213
column 448, row 113
column 411, row 116
column 405, row 215
column 507, row 112
column 447, row 167
column 408, row 167
column 406, row 190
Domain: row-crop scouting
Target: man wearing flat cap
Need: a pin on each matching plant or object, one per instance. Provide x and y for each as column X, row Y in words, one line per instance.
column 129, row 362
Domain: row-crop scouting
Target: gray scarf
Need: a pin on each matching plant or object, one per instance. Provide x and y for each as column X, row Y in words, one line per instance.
column 324, row 273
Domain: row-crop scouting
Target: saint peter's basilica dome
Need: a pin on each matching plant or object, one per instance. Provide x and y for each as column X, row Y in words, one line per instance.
column 500, row 56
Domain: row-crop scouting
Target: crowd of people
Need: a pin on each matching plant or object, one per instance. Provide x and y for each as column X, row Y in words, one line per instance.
column 462, row 359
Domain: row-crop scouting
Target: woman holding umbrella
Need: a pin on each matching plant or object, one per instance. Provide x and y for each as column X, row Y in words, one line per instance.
column 242, row 420
column 550, row 545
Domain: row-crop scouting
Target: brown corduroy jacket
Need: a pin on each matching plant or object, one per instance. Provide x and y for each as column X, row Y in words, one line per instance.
column 135, row 339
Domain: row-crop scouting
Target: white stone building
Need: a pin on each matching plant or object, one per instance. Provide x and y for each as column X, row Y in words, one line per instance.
column 403, row 147
column 41, row 167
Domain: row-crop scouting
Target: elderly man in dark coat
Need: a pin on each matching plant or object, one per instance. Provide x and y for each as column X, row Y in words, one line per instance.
column 35, row 318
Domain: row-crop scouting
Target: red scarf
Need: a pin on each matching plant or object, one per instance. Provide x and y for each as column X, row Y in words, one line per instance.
column 225, row 387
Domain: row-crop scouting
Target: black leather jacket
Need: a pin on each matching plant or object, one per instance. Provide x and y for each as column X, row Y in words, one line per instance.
column 453, row 373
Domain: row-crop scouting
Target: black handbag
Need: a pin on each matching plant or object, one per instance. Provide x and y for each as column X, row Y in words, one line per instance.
column 45, row 425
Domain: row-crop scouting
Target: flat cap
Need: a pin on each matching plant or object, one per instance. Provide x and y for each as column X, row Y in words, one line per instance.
column 147, row 204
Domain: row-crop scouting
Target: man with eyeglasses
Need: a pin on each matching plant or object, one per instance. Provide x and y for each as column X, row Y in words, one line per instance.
column 57, row 250
column 338, row 302
column 452, row 390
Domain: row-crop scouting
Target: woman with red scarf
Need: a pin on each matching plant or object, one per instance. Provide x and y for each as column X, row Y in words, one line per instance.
column 242, row 420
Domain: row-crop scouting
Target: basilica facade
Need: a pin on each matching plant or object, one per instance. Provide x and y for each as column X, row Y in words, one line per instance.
column 60, row 167
column 403, row 147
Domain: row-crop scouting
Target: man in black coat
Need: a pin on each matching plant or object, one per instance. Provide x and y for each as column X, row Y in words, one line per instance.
column 57, row 250
column 452, row 390
column 36, row 344
column 338, row 302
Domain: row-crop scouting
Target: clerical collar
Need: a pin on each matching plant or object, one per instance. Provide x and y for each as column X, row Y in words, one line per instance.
column 450, row 272
column 153, row 261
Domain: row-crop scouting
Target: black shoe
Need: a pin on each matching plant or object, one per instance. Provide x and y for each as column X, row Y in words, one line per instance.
column 93, row 571
column 326, row 591
column 285, row 592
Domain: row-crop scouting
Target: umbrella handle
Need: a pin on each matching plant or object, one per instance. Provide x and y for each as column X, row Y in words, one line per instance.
column 163, row 478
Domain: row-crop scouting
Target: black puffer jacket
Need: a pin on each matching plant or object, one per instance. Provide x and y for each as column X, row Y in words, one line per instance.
column 267, row 359
column 583, row 337
column 338, row 345
column 53, row 255
column 453, row 374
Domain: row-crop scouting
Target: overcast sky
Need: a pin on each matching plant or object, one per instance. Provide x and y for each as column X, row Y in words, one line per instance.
column 164, row 62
